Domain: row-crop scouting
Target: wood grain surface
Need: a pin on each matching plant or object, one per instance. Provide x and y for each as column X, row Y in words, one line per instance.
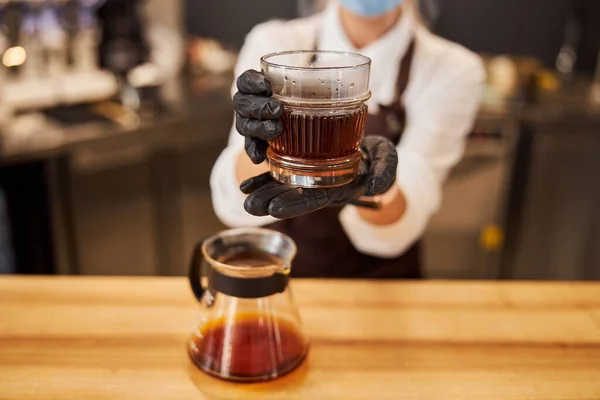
column 124, row 338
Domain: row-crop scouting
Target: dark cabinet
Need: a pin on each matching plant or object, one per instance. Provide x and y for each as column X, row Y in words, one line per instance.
column 136, row 204
column 559, row 234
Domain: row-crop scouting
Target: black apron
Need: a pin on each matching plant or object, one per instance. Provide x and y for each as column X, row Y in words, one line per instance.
column 324, row 250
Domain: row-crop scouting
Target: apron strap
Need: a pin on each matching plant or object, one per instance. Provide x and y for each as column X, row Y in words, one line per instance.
column 315, row 46
column 404, row 73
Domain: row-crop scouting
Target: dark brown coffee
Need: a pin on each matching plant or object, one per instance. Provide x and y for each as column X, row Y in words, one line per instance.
column 244, row 257
column 250, row 347
column 308, row 136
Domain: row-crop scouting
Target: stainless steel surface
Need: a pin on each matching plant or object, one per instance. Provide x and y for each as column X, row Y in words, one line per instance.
column 114, row 222
column 136, row 202
column 559, row 232
column 145, row 217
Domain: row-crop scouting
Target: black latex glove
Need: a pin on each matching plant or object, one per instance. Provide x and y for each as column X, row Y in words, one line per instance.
column 257, row 114
column 378, row 172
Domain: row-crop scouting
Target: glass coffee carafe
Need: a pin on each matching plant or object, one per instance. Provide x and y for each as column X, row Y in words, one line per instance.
column 324, row 95
column 250, row 328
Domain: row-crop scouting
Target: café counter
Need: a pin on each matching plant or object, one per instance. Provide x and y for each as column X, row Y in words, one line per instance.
column 125, row 338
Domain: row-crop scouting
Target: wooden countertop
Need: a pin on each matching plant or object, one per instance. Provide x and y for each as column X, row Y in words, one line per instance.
column 124, row 338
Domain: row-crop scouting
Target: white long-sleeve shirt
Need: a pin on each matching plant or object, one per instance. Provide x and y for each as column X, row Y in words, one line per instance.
column 441, row 103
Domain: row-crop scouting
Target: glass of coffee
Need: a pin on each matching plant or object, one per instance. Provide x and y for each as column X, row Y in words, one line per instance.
column 324, row 95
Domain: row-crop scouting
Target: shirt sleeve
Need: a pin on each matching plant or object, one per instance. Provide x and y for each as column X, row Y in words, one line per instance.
column 438, row 121
column 227, row 199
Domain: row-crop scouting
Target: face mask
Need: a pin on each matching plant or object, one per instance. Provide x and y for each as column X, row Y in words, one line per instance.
column 370, row 8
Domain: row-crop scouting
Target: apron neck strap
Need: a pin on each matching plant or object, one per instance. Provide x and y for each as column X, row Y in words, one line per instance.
column 404, row 72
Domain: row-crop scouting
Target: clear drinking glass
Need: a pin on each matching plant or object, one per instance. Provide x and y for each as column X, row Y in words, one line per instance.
column 324, row 95
column 250, row 328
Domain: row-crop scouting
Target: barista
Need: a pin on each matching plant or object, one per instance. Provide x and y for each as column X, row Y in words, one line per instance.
column 425, row 94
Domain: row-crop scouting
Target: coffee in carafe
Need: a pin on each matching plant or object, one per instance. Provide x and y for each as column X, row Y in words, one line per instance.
column 249, row 326
column 264, row 346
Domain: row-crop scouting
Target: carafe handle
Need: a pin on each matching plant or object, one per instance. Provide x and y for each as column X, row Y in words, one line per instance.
column 195, row 271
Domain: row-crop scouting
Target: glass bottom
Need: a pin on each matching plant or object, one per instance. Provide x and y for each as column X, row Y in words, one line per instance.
column 249, row 348
column 282, row 371
column 313, row 173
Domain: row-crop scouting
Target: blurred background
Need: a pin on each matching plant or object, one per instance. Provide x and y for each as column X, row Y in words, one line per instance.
column 112, row 113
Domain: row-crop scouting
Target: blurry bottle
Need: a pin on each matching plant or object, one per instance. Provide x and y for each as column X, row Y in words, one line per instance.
column 81, row 28
column 567, row 56
column 83, row 80
column 123, row 44
column 13, row 56
column 31, row 41
column 69, row 20
column 53, row 39
column 24, row 58
column 86, row 40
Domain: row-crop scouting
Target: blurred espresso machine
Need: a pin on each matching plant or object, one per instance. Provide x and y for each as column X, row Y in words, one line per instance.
column 72, row 70
column 64, row 52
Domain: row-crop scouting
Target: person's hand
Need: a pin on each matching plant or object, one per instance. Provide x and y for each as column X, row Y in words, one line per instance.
column 257, row 114
column 378, row 173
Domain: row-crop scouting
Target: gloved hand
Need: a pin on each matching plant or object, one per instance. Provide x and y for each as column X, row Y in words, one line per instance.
column 377, row 174
column 257, row 114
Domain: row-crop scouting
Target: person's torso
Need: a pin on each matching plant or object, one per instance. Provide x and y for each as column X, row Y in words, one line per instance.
column 324, row 248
